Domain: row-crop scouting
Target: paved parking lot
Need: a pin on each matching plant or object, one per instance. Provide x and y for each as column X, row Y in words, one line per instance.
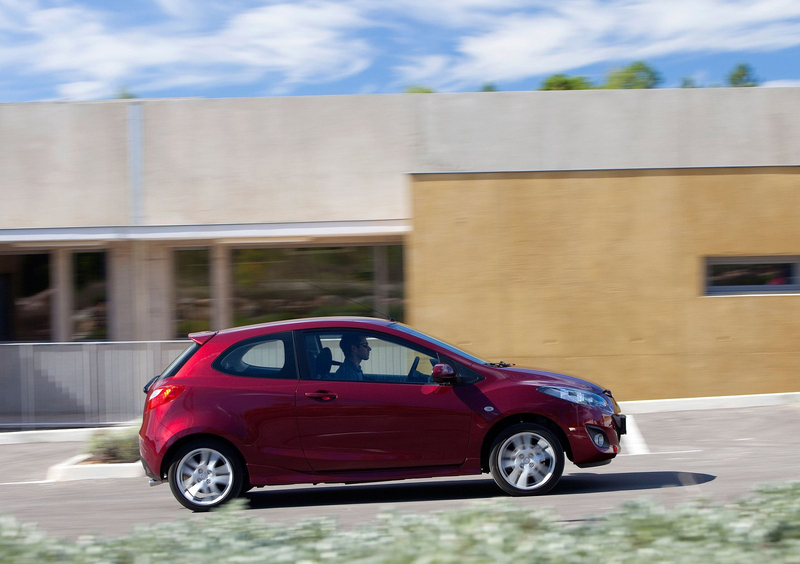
column 721, row 454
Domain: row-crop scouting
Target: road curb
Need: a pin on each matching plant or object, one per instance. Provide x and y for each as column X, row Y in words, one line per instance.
column 59, row 435
column 72, row 469
column 717, row 402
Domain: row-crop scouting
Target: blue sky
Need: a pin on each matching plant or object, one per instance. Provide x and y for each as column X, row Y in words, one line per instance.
column 90, row 49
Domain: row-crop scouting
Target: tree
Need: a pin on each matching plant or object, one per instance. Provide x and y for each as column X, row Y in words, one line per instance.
column 741, row 76
column 688, row 82
column 488, row 87
column 564, row 82
column 636, row 75
column 124, row 94
column 419, row 90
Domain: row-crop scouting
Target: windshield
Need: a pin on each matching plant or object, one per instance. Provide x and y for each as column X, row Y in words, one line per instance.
column 439, row 342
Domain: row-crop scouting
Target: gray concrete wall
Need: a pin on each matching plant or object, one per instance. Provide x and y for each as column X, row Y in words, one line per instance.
column 63, row 165
column 340, row 158
column 608, row 129
column 277, row 159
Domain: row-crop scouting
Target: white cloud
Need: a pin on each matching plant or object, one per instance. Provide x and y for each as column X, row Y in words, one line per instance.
column 300, row 42
column 575, row 33
column 306, row 42
column 782, row 84
column 84, row 90
column 421, row 70
column 177, row 8
column 444, row 44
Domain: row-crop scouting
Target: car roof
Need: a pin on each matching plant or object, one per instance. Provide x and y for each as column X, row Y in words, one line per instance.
column 310, row 323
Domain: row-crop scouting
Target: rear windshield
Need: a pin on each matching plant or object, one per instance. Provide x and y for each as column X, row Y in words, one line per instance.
column 178, row 363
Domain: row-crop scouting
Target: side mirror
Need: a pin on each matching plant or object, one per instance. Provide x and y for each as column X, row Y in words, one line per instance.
column 444, row 374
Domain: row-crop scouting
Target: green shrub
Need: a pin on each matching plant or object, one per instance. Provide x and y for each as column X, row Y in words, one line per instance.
column 764, row 527
column 114, row 445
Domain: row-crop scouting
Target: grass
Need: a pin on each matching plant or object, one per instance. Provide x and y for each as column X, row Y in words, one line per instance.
column 114, row 445
column 762, row 527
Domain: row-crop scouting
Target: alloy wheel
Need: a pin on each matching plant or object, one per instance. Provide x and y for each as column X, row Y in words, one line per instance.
column 204, row 476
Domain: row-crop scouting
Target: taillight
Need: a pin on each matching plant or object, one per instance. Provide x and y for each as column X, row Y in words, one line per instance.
column 163, row 396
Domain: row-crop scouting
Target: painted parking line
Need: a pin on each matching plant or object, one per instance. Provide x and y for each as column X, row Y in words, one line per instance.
column 28, row 482
column 633, row 442
column 659, row 453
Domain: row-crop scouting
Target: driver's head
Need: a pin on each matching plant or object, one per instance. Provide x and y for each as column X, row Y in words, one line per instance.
column 355, row 347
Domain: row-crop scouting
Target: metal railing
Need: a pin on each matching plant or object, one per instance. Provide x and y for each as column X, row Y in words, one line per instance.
column 49, row 385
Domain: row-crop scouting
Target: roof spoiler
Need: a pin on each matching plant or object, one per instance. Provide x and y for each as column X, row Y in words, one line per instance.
column 203, row 337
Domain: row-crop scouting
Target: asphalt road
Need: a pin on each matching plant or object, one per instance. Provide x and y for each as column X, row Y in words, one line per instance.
column 721, row 454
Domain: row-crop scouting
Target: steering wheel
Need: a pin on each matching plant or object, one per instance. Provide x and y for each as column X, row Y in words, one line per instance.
column 413, row 368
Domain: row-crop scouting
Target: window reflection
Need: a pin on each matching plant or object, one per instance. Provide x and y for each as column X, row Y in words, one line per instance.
column 192, row 291
column 277, row 284
column 778, row 274
column 89, row 319
column 751, row 275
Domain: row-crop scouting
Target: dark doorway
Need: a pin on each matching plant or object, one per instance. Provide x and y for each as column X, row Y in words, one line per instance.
column 6, row 308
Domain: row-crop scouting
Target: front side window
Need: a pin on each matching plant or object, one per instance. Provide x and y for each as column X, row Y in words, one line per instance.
column 748, row 275
column 346, row 355
column 271, row 356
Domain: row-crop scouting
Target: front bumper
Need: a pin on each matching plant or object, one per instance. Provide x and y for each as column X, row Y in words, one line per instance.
column 620, row 423
column 589, row 449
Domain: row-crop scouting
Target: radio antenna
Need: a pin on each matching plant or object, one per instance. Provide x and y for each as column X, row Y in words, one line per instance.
column 373, row 310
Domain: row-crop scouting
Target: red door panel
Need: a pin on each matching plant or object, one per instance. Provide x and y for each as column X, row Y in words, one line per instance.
column 370, row 425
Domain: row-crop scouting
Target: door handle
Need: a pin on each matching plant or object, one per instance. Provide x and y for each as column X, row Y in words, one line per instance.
column 321, row 396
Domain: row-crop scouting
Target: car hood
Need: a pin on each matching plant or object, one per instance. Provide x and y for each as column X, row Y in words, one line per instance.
column 543, row 378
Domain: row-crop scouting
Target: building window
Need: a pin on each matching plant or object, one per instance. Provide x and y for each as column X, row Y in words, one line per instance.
column 275, row 284
column 752, row 275
column 192, row 291
column 89, row 318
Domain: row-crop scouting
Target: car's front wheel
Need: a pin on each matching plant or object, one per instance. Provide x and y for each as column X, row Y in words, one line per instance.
column 205, row 474
column 526, row 459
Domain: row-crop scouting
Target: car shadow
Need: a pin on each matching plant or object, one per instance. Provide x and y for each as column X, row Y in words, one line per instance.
column 627, row 481
column 398, row 492
column 476, row 488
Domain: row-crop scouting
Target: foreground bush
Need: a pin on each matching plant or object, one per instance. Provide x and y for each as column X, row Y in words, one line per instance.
column 114, row 445
column 764, row 527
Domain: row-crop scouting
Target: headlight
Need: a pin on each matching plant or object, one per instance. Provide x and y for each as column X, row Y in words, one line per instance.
column 577, row 396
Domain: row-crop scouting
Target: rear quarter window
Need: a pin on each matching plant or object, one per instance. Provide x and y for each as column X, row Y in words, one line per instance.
column 270, row 356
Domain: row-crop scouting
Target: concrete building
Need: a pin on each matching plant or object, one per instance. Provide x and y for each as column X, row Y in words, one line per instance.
column 627, row 236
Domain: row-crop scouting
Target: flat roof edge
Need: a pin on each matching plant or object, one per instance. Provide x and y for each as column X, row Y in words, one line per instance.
column 224, row 232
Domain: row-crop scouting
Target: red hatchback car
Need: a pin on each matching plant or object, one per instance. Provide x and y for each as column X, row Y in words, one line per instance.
column 358, row 400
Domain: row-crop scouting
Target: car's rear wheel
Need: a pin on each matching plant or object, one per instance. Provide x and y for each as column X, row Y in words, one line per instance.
column 526, row 459
column 205, row 474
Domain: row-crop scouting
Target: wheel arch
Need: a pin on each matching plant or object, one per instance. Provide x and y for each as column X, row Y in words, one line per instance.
column 511, row 420
column 166, row 461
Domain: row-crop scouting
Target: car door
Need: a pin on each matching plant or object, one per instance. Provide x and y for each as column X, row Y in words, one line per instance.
column 394, row 416
column 255, row 401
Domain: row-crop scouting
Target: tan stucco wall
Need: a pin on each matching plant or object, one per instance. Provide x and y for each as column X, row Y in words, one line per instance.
column 600, row 275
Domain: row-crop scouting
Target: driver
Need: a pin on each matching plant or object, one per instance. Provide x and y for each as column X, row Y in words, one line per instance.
column 355, row 349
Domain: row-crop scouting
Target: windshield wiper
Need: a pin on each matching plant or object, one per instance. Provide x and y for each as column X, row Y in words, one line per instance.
column 500, row 364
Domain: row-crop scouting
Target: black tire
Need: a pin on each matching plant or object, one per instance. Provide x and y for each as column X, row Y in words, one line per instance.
column 526, row 459
column 205, row 474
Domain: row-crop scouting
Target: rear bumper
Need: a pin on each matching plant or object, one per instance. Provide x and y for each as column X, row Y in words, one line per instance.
column 148, row 456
